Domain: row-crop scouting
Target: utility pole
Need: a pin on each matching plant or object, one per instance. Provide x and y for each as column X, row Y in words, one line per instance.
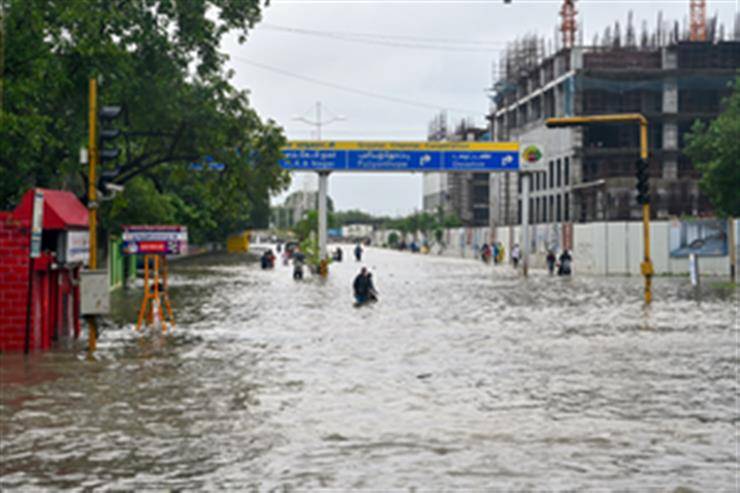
column 2, row 55
column 92, row 205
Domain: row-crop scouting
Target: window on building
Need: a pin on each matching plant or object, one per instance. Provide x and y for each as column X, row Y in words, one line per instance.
column 559, row 209
column 537, row 181
column 551, row 174
column 543, row 210
column 566, row 171
column 531, row 211
column 480, row 194
column 551, row 209
column 519, row 212
column 559, row 173
column 480, row 216
column 566, row 200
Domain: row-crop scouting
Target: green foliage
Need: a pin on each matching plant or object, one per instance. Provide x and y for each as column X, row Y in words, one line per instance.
column 310, row 224
column 161, row 59
column 310, row 249
column 451, row 221
column 425, row 223
column 393, row 239
column 354, row 217
column 715, row 150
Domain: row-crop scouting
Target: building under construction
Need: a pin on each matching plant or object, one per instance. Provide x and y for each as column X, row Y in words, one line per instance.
column 673, row 77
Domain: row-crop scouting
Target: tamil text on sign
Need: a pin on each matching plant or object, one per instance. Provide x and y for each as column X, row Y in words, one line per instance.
column 401, row 156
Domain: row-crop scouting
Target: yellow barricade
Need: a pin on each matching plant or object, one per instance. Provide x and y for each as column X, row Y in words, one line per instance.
column 238, row 243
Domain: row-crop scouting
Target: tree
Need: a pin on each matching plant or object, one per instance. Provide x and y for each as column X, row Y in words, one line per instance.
column 310, row 224
column 451, row 221
column 715, row 150
column 161, row 60
column 354, row 217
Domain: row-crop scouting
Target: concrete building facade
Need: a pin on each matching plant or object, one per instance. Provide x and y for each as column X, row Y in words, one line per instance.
column 591, row 170
column 464, row 195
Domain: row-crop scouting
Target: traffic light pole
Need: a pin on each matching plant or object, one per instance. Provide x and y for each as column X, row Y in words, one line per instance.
column 526, row 180
column 92, row 205
column 647, row 264
column 646, row 267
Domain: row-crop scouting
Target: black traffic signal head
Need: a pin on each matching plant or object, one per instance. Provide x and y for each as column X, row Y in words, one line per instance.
column 107, row 135
column 643, row 181
column 106, row 180
column 108, row 113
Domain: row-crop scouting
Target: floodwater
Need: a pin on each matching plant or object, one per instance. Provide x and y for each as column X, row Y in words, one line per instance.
column 462, row 377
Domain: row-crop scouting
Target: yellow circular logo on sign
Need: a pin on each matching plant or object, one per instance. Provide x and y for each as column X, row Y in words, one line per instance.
column 531, row 154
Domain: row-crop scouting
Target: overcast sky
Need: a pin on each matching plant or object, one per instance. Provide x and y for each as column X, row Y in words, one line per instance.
column 306, row 40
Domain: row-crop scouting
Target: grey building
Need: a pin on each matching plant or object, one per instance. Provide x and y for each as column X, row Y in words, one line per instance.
column 591, row 170
column 465, row 195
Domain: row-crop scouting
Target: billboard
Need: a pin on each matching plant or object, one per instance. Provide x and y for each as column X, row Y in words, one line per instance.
column 703, row 237
column 155, row 240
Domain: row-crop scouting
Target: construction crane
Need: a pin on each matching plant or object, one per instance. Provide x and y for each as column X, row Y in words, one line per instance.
column 568, row 26
column 698, row 24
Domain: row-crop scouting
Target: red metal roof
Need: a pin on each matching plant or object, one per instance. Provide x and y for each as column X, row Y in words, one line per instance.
column 62, row 210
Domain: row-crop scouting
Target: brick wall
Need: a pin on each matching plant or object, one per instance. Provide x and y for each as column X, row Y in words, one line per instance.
column 14, row 252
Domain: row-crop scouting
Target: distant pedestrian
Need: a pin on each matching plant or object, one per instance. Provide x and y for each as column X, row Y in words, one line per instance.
column 358, row 252
column 551, row 261
column 363, row 288
column 486, row 253
column 267, row 260
column 298, row 261
column 564, row 267
column 515, row 255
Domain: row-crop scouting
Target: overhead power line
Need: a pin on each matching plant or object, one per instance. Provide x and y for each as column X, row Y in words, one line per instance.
column 354, row 90
column 396, row 41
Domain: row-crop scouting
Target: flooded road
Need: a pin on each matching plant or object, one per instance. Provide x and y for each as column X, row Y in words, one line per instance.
column 462, row 377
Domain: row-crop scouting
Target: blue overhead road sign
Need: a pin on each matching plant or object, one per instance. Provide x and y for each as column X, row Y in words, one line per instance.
column 401, row 156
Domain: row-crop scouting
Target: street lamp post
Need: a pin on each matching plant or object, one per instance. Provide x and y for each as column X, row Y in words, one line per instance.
column 323, row 178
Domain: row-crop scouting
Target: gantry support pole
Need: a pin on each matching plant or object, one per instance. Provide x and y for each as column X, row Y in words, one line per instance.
column 323, row 189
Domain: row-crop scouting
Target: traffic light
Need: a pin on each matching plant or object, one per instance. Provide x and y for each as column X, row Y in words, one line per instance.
column 105, row 181
column 108, row 134
column 643, row 181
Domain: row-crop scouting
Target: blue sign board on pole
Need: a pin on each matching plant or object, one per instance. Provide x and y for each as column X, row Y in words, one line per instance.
column 401, row 156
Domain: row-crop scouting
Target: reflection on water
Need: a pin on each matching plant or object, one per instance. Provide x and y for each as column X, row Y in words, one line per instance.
column 462, row 377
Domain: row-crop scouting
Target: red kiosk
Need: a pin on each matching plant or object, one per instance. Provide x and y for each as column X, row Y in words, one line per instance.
column 54, row 294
